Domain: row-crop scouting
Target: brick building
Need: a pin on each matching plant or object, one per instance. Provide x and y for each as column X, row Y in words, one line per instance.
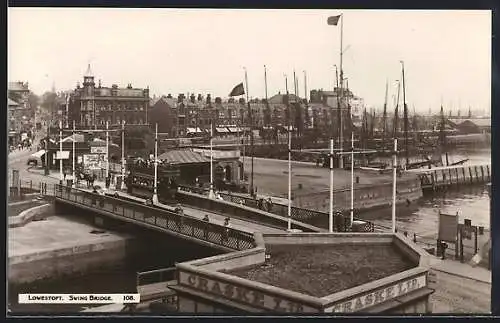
column 20, row 114
column 92, row 105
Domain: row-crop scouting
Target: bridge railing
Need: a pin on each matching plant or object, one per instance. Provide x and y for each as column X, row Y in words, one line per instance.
column 160, row 218
column 341, row 223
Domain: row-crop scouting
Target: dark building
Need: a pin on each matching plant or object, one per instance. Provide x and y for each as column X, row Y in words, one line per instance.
column 92, row 105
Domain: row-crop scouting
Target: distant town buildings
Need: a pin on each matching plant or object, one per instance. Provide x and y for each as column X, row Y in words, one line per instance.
column 20, row 113
column 91, row 105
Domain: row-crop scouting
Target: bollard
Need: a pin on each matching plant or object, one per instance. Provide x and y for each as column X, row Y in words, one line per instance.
column 415, row 238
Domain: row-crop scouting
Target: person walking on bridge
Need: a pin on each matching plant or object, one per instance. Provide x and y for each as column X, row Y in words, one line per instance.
column 206, row 220
column 225, row 233
column 179, row 216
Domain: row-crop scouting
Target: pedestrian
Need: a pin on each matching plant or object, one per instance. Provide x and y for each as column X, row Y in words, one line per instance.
column 269, row 204
column 179, row 216
column 227, row 226
column 206, row 220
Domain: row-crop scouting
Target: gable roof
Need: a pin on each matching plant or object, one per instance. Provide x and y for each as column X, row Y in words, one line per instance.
column 183, row 156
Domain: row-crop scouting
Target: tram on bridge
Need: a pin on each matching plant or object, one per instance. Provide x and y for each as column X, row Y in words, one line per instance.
column 140, row 181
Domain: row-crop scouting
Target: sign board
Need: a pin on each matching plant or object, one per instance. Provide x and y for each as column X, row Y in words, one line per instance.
column 93, row 161
column 242, row 294
column 98, row 150
column 448, row 226
column 378, row 296
column 219, row 154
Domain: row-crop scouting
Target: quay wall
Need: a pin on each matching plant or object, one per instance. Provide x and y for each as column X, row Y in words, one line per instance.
column 61, row 246
column 365, row 197
column 60, row 262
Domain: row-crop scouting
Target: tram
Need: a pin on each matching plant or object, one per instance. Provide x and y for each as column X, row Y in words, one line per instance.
column 140, row 182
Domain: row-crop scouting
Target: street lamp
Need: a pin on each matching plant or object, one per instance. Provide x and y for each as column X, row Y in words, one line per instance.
column 211, row 194
column 74, row 179
column 61, row 153
column 155, row 187
column 123, row 156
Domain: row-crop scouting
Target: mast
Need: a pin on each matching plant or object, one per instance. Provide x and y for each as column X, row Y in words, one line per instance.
column 442, row 134
column 384, row 116
column 396, row 112
column 405, row 116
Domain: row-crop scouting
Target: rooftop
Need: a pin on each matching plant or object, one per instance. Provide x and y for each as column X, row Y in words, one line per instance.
column 321, row 270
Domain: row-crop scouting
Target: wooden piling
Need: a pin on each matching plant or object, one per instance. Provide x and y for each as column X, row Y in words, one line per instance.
column 463, row 173
column 471, row 177
column 482, row 174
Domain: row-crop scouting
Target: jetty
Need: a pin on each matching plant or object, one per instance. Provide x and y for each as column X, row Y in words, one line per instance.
column 438, row 178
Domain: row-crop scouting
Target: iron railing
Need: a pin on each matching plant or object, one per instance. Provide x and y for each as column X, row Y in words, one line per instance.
column 159, row 217
column 341, row 222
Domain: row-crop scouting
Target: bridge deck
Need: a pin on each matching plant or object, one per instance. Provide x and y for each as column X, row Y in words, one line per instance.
column 183, row 226
column 246, row 226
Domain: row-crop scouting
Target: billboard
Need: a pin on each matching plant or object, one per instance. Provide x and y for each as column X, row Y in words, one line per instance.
column 94, row 161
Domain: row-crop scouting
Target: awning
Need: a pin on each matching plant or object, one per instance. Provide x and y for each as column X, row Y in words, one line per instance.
column 234, row 129
column 194, row 130
column 38, row 154
column 65, row 154
column 223, row 130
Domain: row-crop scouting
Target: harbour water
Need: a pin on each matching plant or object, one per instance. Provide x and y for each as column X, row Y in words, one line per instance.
column 420, row 217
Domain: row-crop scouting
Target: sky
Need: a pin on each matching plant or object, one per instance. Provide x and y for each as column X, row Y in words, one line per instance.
column 446, row 54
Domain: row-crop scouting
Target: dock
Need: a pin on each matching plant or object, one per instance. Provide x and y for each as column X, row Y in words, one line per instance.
column 438, row 178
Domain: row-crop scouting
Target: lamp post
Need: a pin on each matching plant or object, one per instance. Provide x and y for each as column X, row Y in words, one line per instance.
column 107, row 149
column 123, row 156
column 74, row 178
column 289, row 179
column 330, row 218
column 394, row 169
column 61, row 152
column 155, row 187
column 352, row 177
column 211, row 192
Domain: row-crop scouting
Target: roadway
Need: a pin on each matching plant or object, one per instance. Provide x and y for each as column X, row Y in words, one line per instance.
column 17, row 160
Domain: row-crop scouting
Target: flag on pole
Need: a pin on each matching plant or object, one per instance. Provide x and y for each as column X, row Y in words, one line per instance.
column 333, row 20
column 238, row 90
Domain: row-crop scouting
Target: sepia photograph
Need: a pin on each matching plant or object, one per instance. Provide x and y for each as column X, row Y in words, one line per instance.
column 168, row 161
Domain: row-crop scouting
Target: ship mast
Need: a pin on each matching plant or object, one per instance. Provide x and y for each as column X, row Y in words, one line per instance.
column 405, row 115
column 396, row 112
column 384, row 117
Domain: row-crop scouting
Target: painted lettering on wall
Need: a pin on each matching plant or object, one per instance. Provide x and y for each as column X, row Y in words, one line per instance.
column 243, row 294
column 379, row 296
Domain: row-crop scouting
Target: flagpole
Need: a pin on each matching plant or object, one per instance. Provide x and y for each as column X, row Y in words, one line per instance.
column 394, row 168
